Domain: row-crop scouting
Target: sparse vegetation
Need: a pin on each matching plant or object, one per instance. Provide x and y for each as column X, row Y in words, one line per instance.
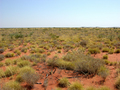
column 55, row 51
column 63, row 82
column 76, row 86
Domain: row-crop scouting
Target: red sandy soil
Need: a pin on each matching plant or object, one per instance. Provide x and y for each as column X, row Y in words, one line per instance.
column 96, row 81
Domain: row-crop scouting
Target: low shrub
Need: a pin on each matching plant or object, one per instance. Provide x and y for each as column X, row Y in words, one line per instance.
column 117, row 83
column 28, row 75
column 2, row 74
column 111, row 51
column 11, row 70
column 25, row 57
column 105, row 56
column 24, row 50
column 91, row 88
column 117, row 51
column 107, row 62
column 94, row 51
column 8, row 62
column 63, row 82
column 105, row 50
column 41, row 50
column 12, row 85
column 9, row 55
column 75, row 86
column 1, row 64
column 48, row 53
column 19, row 78
column 1, row 50
column 2, row 57
column 23, row 63
column 103, row 72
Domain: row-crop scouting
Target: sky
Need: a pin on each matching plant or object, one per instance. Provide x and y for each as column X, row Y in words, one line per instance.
column 59, row 13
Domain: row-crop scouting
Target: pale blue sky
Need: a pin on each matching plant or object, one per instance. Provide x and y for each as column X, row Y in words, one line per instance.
column 59, row 13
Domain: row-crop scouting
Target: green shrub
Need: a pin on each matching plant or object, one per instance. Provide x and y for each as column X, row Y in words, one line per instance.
column 2, row 74
column 2, row 57
column 11, row 47
column 11, row 70
column 26, row 69
column 41, row 50
column 103, row 72
column 8, row 62
column 117, row 83
column 94, row 51
column 59, row 51
column 25, row 57
column 19, row 78
column 88, row 65
column 107, row 62
column 111, row 51
column 91, row 88
column 105, row 56
column 76, row 86
column 117, row 51
column 1, row 64
column 105, row 50
column 48, row 53
column 28, row 75
column 24, row 50
column 9, row 55
column 18, row 52
column 63, row 82
column 23, row 63
column 59, row 47
column 12, row 85
column 53, row 62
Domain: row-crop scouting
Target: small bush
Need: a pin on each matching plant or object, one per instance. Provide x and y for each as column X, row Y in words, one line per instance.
column 23, row 63
column 11, row 70
column 8, row 62
column 111, row 51
column 19, row 78
column 63, row 82
column 91, row 88
column 1, row 64
column 24, row 50
column 105, row 50
column 117, row 51
column 1, row 50
column 9, row 55
column 94, row 51
column 2, row 74
column 2, row 57
column 107, row 62
column 41, row 50
column 76, row 86
column 105, row 56
column 103, row 72
column 26, row 69
column 117, row 83
column 28, row 75
column 12, row 85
